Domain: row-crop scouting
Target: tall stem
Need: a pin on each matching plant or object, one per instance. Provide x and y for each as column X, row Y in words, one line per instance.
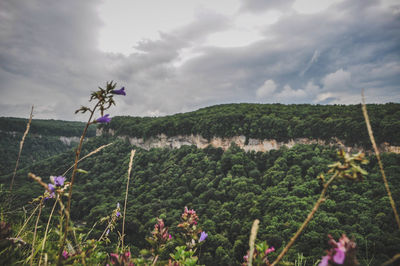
column 21, row 144
column 67, row 211
column 126, row 196
column 377, row 154
column 307, row 220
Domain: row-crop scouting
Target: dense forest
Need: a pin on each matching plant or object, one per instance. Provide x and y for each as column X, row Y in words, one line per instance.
column 271, row 121
column 227, row 189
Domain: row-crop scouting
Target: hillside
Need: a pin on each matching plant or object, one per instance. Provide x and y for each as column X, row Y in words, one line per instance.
column 228, row 188
column 46, row 138
column 269, row 121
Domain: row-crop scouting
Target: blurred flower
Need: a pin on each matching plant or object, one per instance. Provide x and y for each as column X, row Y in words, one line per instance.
column 342, row 252
column 324, row 261
column 271, row 249
column 108, row 231
column 118, row 214
column 119, row 92
column 59, row 181
column 203, row 236
column 65, row 254
column 118, row 206
column 52, row 188
column 104, row 119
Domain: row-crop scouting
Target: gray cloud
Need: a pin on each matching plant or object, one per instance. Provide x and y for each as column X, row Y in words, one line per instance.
column 48, row 57
column 258, row 6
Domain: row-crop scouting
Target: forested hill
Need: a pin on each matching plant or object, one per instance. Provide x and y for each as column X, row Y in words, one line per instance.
column 46, row 138
column 45, row 127
column 270, row 121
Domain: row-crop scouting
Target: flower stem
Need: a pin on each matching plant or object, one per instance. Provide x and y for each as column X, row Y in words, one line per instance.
column 126, row 196
column 21, row 144
column 67, row 211
column 377, row 154
column 306, row 221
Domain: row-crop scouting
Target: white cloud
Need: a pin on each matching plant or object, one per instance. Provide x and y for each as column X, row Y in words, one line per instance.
column 266, row 90
column 339, row 80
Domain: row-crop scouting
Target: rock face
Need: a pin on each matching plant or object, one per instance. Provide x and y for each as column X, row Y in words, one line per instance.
column 69, row 140
column 175, row 142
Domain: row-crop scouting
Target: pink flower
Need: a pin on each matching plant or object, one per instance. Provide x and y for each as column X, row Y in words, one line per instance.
column 339, row 256
column 324, row 261
column 65, row 254
column 271, row 249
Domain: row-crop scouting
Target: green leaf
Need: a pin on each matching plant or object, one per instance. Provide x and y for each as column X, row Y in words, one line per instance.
column 82, row 171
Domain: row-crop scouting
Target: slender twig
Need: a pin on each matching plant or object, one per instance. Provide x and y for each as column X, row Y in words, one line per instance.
column 307, row 220
column 252, row 239
column 21, row 144
column 34, row 233
column 377, row 154
column 126, row 196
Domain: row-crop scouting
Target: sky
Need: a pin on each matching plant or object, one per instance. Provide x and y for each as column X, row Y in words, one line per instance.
column 181, row 55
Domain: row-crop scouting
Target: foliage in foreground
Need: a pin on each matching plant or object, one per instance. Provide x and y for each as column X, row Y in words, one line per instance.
column 230, row 189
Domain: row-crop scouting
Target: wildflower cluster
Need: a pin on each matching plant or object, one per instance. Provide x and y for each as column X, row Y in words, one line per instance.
column 190, row 229
column 341, row 253
column 111, row 222
column 260, row 255
column 121, row 259
column 57, row 184
column 159, row 236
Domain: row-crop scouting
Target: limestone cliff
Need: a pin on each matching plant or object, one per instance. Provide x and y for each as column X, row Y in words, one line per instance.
column 163, row 141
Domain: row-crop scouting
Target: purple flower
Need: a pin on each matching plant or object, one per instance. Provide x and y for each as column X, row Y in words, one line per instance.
column 108, row 231
column 203, row 236
column 119, row 92
column 104, row 119
column 59, row 181
column 118, row 205
column 118, row 214
column 52, row 188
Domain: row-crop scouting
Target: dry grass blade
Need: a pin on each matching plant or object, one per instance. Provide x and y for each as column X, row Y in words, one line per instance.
column 252, row 240
column 88, row 155
column 392, row 260
column 126, row 196
column 27, row 220
column 21, row 144
column 377, row 154
column 34, row 233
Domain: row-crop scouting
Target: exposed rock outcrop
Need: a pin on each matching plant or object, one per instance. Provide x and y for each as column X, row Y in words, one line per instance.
column 163, row 141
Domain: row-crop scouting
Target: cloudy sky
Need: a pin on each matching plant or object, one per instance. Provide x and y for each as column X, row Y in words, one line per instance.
column 180, row 55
